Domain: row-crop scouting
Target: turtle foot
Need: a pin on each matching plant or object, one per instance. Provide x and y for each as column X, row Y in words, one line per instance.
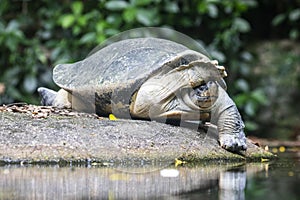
column 48, row 96
column 233, row 143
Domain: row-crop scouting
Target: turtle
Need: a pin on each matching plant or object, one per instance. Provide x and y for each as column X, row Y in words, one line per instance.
column 150, row 78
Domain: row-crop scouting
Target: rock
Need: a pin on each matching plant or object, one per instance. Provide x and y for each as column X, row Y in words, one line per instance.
column 38, row 134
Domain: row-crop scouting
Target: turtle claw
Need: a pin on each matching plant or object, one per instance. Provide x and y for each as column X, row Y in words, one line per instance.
column 233, row 143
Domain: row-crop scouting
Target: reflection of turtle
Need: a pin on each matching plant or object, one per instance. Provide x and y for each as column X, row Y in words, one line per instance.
column 150, row 78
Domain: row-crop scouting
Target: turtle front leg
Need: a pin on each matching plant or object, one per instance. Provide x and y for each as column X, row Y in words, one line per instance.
column 229, row 123
column 231, row 130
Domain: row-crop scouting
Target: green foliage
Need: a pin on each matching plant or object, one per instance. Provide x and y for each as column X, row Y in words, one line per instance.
column 37, row 35
column 290, row 17
column 276, row 68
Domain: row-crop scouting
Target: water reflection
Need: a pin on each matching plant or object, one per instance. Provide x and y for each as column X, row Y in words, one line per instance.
column 221, row 181
column 232, row 184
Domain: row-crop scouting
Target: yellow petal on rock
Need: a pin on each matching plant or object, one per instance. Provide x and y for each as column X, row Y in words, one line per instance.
column 179, row 162
column 264, row 159
column 112, row 117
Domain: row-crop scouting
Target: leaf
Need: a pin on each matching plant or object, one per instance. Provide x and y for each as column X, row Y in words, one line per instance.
column 116, row 5
column 172, row 7
column 100, row 38
column 88, row 38
column 144, row 17
column 247, row 56
column 76, row 30
column 111, row 31
column 77, row 7
column 11, row 43
column 82, row 20
column 67, row 20
column 251, row 126
column 242, row 85
column 278, row 19
column 129, row 14
column 241, row 25
column 250, row 3
column 30, row 83
column 294, row 15
column 13, row 25
column 100, row 26
column 4, row 6
column 14, row 93
column 2, row 27
column 212, row 11
column 138, row 3
column 240, row 100
column 250, row 108
column 218, row 55
column 294, row 34
column 42, row 57
column 259, row 96
column 202, row 7
column 147, row 17
column 112, row 117
column 115, row 19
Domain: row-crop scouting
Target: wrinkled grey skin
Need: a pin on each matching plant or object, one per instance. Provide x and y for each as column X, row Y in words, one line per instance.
column 164, row 80
column 229, row 123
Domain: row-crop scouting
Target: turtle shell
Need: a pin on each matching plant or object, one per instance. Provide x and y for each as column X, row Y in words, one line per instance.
column 109, row 77
column 121, row 62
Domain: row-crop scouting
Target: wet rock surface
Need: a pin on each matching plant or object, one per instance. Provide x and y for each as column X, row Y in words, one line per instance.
column 35, row 134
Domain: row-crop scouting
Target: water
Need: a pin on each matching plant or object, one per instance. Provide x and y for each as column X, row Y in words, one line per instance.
column 278, row 179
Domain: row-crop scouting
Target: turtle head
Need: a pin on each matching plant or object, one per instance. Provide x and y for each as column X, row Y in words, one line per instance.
column 204, row 95
column 192, row 103
column 185, row 92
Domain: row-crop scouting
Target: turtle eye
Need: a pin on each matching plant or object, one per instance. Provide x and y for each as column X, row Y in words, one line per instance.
column 183, row 61
column 198, row 91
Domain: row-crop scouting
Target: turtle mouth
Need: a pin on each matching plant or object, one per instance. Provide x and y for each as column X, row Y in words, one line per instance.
column 205, row 94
